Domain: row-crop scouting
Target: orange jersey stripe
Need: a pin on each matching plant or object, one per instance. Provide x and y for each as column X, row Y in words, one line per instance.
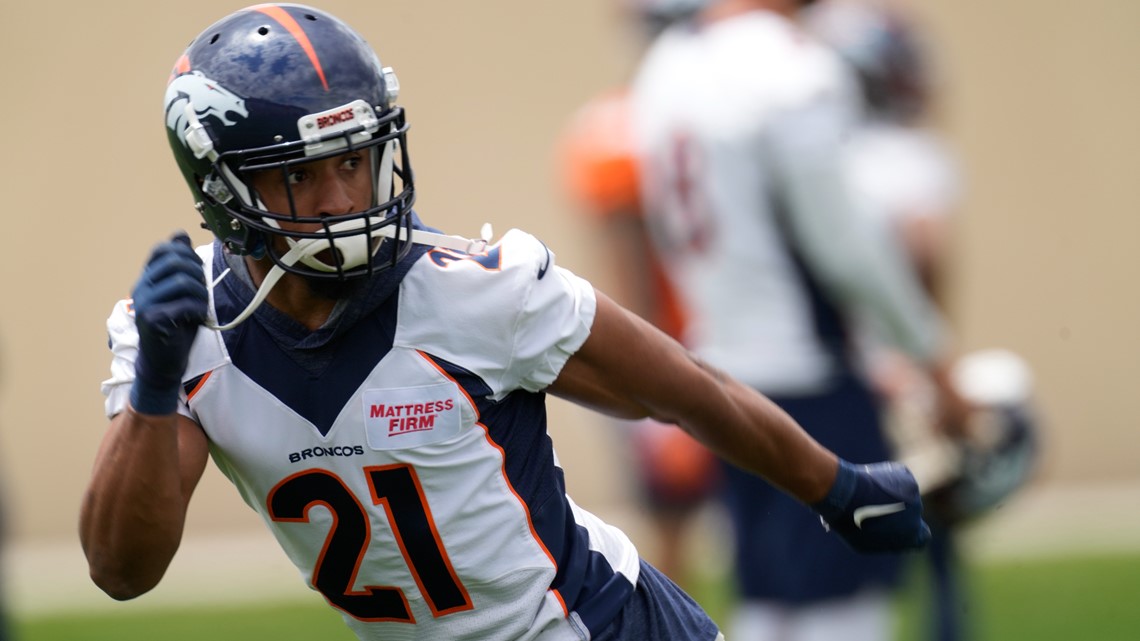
column 198, row 387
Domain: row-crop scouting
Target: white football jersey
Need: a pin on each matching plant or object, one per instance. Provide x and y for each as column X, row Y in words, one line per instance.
column 902, row 172
column 739, row 125
column 411, row 478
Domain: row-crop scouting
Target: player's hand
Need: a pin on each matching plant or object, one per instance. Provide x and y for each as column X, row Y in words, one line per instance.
column 953, row 410
column 170, row 301
column 875, row 508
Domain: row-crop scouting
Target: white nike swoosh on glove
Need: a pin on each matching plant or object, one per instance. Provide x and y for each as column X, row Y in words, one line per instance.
column 873, row 511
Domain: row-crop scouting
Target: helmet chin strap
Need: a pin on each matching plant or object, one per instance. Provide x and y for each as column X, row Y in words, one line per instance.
column 353, row 250
column 304, row 250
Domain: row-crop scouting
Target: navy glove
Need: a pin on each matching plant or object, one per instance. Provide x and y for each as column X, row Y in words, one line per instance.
column 875, row 508
column 170, row 301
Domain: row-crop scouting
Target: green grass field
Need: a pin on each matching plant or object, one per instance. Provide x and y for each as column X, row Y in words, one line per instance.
column 1085, row 598
column 1088, row 598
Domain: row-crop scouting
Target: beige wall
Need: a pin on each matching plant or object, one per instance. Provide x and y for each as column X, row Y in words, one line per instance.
column 1041, row 104
column 1041, row 101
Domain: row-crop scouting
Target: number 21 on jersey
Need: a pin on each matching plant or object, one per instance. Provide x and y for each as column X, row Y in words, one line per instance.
column 397, row 489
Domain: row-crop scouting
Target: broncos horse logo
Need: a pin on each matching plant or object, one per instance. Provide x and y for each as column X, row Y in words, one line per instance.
column 206, row 97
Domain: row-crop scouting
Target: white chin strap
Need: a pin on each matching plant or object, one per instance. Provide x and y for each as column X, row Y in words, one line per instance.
column 354, row 252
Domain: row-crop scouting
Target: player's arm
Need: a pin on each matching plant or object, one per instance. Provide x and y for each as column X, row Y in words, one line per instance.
column 151, row 457
column 135, row 505
column 859, row 262
column 630, row 369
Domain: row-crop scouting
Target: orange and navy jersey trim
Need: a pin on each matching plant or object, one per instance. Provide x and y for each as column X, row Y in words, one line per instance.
column 194, row 386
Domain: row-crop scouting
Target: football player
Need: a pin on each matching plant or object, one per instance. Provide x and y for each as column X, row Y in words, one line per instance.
column 741, row 123
column 375, row 389
column 908, row 183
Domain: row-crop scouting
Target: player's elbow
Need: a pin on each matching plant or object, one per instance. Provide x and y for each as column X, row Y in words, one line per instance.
column 122, row 582
column 121, row 588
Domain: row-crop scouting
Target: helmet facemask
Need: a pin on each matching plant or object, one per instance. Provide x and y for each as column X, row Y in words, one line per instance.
column 345, row 244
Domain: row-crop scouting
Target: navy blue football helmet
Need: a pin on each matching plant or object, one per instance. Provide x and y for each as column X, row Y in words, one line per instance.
column 884, row 47
column 656, row 15
column 272, row 86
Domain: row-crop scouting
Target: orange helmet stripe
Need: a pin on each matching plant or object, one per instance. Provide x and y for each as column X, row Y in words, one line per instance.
column 181, row 66
column 287, row 21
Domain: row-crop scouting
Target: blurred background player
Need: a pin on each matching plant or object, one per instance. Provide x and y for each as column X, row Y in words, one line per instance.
column 899, row 166
column 908, row 182
column 741, row 120
column 675, row 475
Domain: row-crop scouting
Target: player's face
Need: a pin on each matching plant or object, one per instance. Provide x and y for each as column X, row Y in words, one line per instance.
column 329, row 187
